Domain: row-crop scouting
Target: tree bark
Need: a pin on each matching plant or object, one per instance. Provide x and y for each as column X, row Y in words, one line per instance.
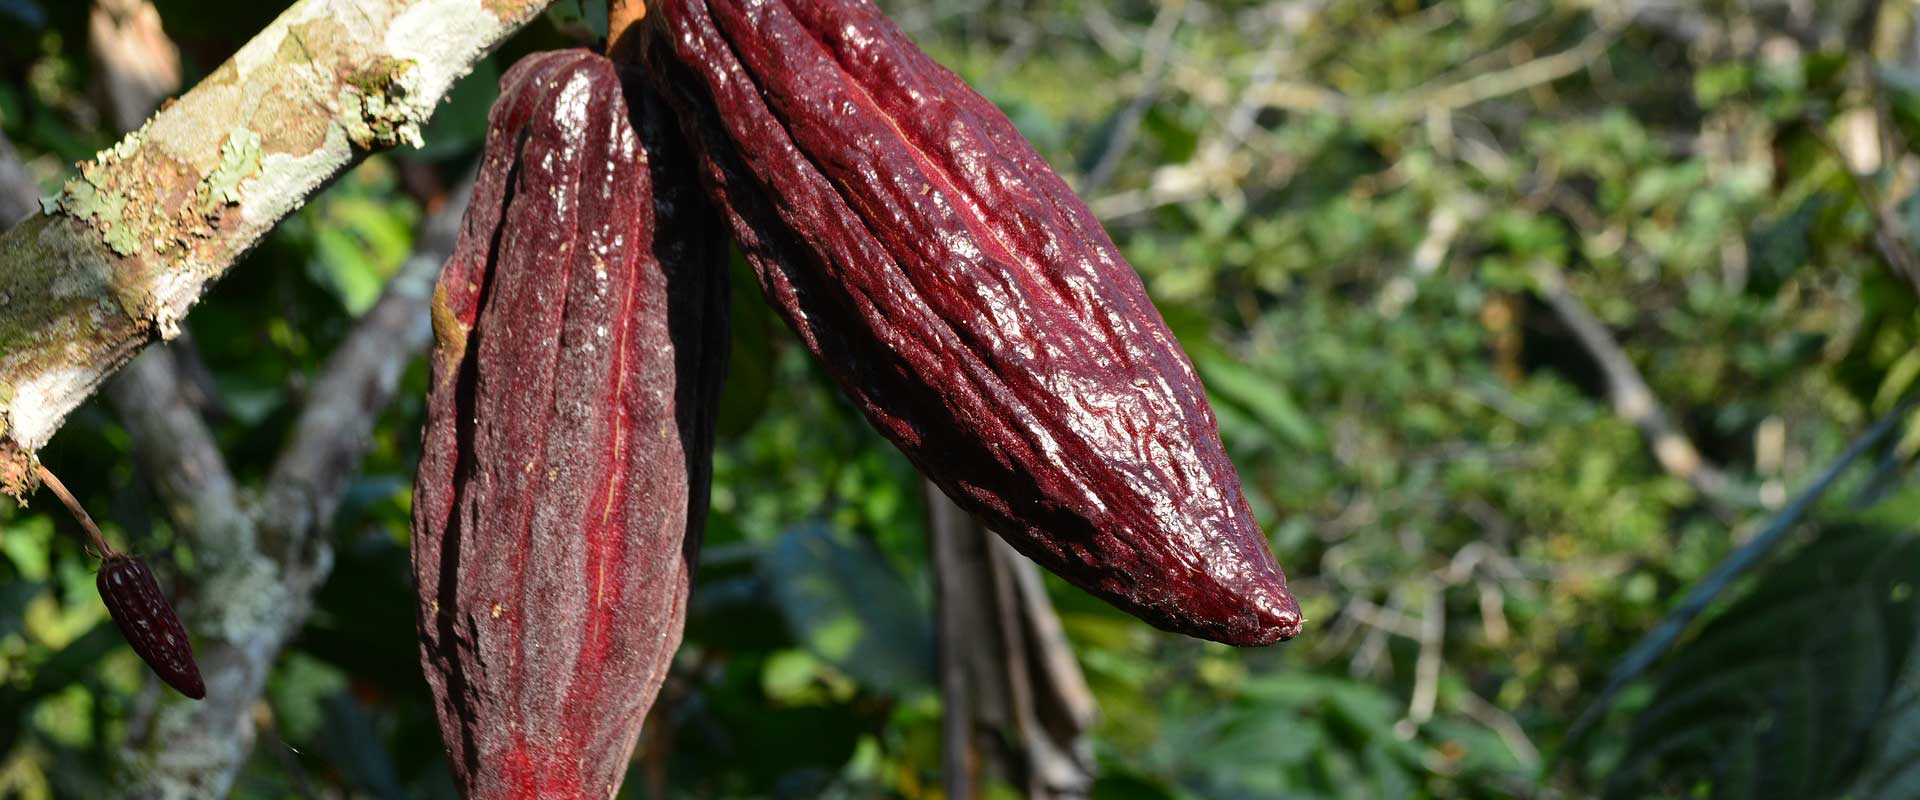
column 19, row 196
column 259, row 563
column 120, row 256
column 139, row 65
column 1016, row 707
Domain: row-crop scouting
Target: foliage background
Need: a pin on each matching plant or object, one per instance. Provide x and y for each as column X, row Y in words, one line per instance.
column 1346, row 208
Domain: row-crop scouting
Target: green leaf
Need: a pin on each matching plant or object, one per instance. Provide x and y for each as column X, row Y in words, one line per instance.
column 27, row 544
column 1265, row 399
column 299, row 690
column 1892, row 769
column 852, row 609
column 1115, row 783
column 1178, row 140
column 350, row 739
column 1777, row 694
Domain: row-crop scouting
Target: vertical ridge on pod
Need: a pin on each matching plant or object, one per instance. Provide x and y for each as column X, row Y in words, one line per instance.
column 580, row 343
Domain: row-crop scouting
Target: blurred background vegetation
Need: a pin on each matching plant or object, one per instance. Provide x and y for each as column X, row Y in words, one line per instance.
column 1520, row 318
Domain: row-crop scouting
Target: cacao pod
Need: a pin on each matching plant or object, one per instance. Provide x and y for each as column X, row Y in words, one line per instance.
column 580, row 329
column 970, row 305
column 146, row 619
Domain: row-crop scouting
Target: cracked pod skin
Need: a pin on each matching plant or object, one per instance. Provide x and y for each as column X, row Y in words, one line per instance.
column 580, row 330
column 969, row 304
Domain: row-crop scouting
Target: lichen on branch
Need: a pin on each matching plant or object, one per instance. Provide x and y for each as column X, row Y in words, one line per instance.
column 119, row 257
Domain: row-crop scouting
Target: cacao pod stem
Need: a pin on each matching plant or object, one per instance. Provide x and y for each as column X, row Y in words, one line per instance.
column 94, row 540
column 623, row 31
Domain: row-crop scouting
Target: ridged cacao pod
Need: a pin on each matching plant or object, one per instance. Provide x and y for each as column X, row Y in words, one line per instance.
column 970, row 305
column 580, row 332
column 148, row 622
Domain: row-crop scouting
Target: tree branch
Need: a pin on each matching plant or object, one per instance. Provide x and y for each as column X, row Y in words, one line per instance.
column 262, row 569
column 122, row 254
column 19, row 197
column 248, row 597
column 182, row 461
column 177, row 451
column 1633, row 399
column 139, row 67
column 181, row 748
column 332, row 432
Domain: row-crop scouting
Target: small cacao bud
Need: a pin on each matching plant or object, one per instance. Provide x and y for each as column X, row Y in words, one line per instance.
column 969, row 304
column 147, row 621
column 580, row 343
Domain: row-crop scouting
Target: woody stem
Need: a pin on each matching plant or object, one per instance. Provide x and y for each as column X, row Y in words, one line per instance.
column 623, row 29
column 94, row 537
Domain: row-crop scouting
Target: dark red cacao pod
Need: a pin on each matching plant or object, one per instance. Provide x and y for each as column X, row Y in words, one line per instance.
column 970, row 304
column 146, row 619
column 580, row 343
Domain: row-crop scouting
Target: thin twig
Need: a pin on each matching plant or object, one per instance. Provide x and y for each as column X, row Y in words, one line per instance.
column 101, row 549
column 954, row 609
column 1503, row 724
column 1055, row 669
column 1633, row 399
column 357, row 382
column 179, row 455
column 1384, row 619
column 1888, row 237
column 1246, row 111
column 1658, row 641
column 1499, row 83
column 1866, row 35
column 1153, row 66
column 1015, row 705
column 1493, row 613
column 1213, row 167
column 65, row 345
column 1426, row 669
column 1425, row 102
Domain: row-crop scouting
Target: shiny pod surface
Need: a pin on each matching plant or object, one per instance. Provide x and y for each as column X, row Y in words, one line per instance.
column 148, row 622
column 970, row 304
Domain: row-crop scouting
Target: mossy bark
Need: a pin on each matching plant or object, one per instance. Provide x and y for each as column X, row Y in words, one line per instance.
column 119, row 257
